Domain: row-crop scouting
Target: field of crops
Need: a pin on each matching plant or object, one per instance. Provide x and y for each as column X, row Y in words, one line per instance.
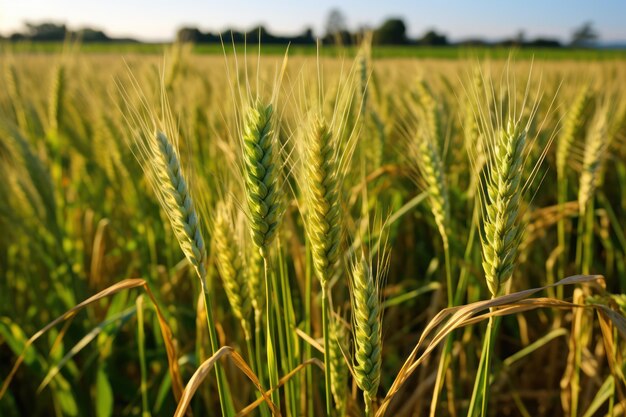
column 372, row 236
column 387, row 51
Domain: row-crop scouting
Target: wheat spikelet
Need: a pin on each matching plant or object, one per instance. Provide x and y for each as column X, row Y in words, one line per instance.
column 174, row 68
column 231, row 267
column 263, row 192
column 338, row 365
column 176, row 198
column 31, row 176
column 323, row 215
column 429, row 106
column 364, row 57
column 55, row 103
column 574, row 123
column 158, row 154
column 13, row 90
column 474, row 146
column 432, row 173
column 367, row 330
column 501, row 223
column 595, row 149
column 256, row 286
column 471, row 126
column 427, row 156
column 160, row 160
column 378, row 144
column 12, row 84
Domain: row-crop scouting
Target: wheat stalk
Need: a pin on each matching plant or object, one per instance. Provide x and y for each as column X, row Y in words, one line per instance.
column 323, row 220
column 572, row 127
column 158, row 155
column 596, row 147
column 431, row 174
column 501, row 237
column 264, row 207
column 424, row 148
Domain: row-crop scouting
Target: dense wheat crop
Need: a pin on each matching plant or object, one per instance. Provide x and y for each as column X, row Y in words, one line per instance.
column 311, row 236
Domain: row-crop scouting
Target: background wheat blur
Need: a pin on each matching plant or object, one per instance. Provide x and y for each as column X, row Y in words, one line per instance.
column 379, row 208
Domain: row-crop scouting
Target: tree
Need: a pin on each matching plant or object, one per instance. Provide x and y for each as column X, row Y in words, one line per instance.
column 46, row 31
column 92, row 35
column 392, row 32
column 432, row 38
column 335, row 23
column 585, row 35
column 189, row 34
column 305, row 38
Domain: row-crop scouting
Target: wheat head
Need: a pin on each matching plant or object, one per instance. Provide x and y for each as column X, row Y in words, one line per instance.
column 574, row 123
column 55, row 103
column 595, row 150
column 254, row 274
column 501, row 223
column 160, row 160
column 432, row 173
column 430, row 108
column 263, row 190
column 321, row 188
column 230, row 264
column 367, row 330
column 338, row 365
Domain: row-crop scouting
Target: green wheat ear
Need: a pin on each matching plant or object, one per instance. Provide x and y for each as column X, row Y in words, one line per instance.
column 501, row 223
column 338, row 366
column 171, row 188
column 254, row 274
column 55, row 104
column 596, row 147
column 231, row 267
column 432, row 172
column 263, row 191
column 367, row 330
column 429, row 105
column 321, row 188
column 574, row 122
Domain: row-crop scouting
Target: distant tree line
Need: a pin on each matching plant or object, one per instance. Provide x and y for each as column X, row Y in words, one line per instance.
column 54, row 32
column 195, row 35
column 393, row 31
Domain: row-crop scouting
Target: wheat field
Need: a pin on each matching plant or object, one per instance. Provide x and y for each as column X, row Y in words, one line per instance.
column 248, row 234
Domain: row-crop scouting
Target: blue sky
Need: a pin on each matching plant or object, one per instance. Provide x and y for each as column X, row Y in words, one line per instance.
column 159, row 19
